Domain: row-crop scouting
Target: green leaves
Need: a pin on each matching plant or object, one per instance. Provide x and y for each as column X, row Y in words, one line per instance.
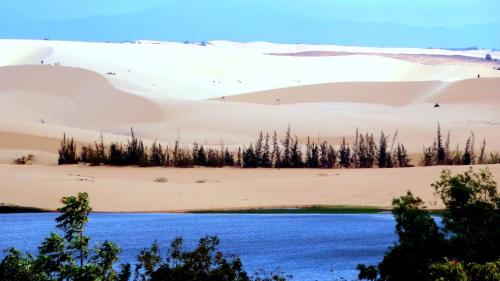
column 467, row 188
column 53, row 256
column 72, row 222
column 148, row 262
column 472, row 217
column 56, row 259
column 468, row 246
column 420, row 242
column 457, row 271
column 105, row 256
column 58, row 254
column 74, row 214
column 204, row 263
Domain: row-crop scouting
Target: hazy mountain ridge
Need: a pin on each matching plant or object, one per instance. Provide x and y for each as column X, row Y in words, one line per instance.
column 250, row 23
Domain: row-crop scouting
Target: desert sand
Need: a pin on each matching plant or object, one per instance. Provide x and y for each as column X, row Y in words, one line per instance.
column 193, row 72
column 134, row 190
column 227, row 92
column 41, row 103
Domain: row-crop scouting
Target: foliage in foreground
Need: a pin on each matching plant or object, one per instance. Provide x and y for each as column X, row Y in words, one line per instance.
column 467, row 247
column 69, row 257
column 457, row 271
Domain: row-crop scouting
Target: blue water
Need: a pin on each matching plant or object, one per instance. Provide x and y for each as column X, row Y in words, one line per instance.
column 310, row 247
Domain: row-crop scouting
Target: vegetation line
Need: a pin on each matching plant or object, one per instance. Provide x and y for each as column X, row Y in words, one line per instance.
column 465, row 246
column 279, row 152
column 317, row 209
column 10, row 208
column 314, row 209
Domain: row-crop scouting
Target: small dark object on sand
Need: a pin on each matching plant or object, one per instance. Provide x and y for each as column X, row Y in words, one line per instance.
column 437, row 105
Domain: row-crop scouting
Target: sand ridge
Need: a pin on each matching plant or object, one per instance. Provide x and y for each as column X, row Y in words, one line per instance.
column 324, row 111
column 467, row 91
column 192, row 71
column 69, row 96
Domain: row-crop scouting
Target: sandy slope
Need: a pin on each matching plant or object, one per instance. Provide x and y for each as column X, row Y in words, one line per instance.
column 38, row 104
column 43, row 140
column 188, row 71
column 81, row 103
column 55, row 94
column 162, row 89
column 133, row 189
column 398, row 94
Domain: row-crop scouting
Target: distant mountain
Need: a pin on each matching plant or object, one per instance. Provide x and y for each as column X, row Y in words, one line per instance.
column 245, row 23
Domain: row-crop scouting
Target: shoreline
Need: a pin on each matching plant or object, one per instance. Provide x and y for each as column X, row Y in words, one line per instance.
column 6, row 208
column 219, row 190
column 313, row 209
column 278, row 210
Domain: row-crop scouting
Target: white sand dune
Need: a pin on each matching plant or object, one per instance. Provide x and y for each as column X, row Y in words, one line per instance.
column 55, row 94
column 172, row 91
column 81, row 104
column 467, row 91
column 266, row 47
column 187, row 71
column 239, row 123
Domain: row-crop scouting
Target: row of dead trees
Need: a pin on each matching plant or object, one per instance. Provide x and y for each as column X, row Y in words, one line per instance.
column 272, row 151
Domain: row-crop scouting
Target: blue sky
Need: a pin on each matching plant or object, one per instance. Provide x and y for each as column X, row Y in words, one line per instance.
column 422, row 23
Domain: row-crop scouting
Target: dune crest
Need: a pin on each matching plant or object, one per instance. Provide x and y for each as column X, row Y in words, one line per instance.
column 69, row 96
column 166, row 84
column 476, row 91
column 202, row 71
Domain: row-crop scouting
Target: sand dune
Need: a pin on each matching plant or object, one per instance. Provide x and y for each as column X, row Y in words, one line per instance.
column 472, row 91
column 133, row 189
column 188, row 71
column 386, row 93
column 297, row 48
column 43, row 140
column 468, row 91
column 163, row 90
column 25, row 53
column 240, row 122
column 360, row 105
column 69, row 96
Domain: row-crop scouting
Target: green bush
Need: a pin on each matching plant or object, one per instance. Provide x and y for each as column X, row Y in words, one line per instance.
column 69, row 257
column 466, row 248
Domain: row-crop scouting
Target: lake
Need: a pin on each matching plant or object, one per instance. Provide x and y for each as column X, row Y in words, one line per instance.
column 308, row 246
